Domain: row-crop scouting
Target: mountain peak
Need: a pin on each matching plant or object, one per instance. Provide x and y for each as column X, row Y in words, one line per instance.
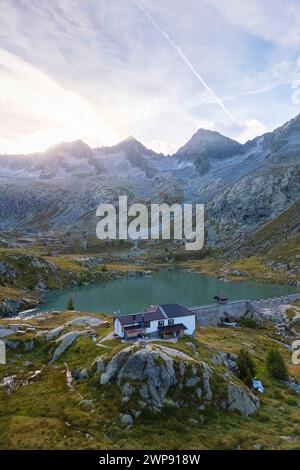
column 206, row 132
column 206, row 146
column 130, row 145
column 130, row 139
column 212, row 142
column 131, row 142
column 210, row 136
column 76, row 147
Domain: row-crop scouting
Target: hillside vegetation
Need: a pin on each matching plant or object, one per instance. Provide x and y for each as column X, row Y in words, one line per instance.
column 46, row 412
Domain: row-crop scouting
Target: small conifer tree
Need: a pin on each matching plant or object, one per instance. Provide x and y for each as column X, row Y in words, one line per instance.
column 246, row 367
column 71, row 305
column 276, row 365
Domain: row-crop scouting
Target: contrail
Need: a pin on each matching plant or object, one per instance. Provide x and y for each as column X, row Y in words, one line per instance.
column 186, row 61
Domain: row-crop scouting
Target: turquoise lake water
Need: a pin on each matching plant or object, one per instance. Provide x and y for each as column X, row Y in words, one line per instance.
column 135, row 293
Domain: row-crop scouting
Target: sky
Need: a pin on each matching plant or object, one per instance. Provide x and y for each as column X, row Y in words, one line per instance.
column 158, row 70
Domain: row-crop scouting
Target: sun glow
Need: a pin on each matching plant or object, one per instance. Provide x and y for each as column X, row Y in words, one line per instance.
column 43, row 112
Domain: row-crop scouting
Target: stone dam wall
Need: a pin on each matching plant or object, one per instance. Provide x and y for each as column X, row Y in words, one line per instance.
column 212, row 315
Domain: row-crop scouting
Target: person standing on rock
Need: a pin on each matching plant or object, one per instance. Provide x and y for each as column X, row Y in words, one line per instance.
column 75, row 373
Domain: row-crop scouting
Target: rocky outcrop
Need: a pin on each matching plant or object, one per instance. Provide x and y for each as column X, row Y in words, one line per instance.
column 253, row 319
column 4, row 332
column 7, row 271
column 99, row 364
column 65, row 341
column 21, row 344
column 90, row 262
column 83, row 321
column 159, row 376
column 242, row 211
column 241, row 400
column 11, row 383
column 227, row 359
column 52, row 334
column 293, row 385
column 114, row 365
column 78, row 321
column 126, row 419
column 10, row 307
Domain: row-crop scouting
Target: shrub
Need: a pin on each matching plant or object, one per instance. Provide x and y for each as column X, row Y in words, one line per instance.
column 276, row 365
column 246, row 367
column 71, row 305
column 248, row 323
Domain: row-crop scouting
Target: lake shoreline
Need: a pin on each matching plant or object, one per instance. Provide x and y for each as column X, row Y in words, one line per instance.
column 172, row 285
column 213, row 267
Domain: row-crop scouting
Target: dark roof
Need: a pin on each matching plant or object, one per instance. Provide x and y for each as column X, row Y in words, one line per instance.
column 171, row 328
column 157, row 312
column 151, row 313
column 175, row 310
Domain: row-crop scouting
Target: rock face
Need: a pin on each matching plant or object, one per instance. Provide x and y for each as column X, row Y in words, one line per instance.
column 126, row 419
column 7, row 271
column 10, row 307
column 238, row 399
column 4, row 332
column 66, row 341
column 52, row 334
column 254, row 318
column 205, row 148
column 25, row 346
column 90, row 321
column 158, row 376
column 79, row 321
column 99, row 364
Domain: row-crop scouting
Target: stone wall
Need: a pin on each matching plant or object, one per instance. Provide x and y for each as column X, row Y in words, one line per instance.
column 212, row 315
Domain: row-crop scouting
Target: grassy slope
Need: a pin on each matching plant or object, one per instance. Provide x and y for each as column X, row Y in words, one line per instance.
column 245, row 269
column 46, row 414
column 279, row 230
column 68, row 267
column 57, row 271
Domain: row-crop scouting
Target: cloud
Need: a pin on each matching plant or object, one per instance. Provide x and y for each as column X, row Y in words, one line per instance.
column 278, row 22
column 100, row 71
column 274, row 76
column 251, row 129
column 243, row 131
column 162, row 146
column 35, row 110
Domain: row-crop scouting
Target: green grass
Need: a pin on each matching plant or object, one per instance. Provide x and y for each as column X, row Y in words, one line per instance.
column 208, row 266
column 10, row 293
column 254, row 268
column 280, row 228
column 47, row 414
column 244, row 269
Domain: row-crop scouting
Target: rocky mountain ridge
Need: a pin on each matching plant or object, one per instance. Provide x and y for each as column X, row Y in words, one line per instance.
column 243, row 186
